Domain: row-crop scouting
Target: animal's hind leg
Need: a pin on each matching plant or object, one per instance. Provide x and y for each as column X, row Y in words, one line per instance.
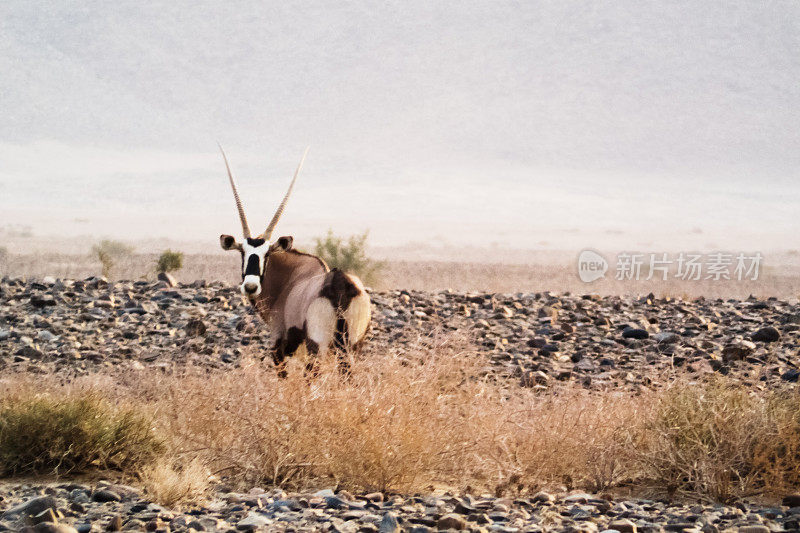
column 320, row 324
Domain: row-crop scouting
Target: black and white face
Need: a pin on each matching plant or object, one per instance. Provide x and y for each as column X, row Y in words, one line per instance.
column 255, row 255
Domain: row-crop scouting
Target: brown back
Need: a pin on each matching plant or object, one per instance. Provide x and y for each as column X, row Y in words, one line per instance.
column 283, row 270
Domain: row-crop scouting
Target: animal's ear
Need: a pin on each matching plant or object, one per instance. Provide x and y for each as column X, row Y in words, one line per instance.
column 228, row 242
column 282, row 244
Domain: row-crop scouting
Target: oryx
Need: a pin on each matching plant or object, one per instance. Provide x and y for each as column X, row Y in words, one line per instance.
column 296, row 293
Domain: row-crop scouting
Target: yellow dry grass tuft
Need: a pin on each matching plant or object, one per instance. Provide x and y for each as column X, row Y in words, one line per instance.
column 172, row 483
column 721, row 441
column 426, row 416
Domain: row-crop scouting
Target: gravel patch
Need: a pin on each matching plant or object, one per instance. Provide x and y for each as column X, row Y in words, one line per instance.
column 78, row 326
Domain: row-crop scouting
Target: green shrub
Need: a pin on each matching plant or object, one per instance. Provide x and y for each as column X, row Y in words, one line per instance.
column 109, row 252
column 43, row 434
column 349, row 256
column 169, row 261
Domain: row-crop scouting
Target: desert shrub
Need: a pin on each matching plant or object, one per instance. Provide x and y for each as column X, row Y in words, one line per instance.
column 169, row 261
column 722, row 441
column 425, row 414
column 574, row 438
column 393, row 424
column 172, row 483
column 109, row 252
column 349, row 255
column 402, row 421
column 55, row 434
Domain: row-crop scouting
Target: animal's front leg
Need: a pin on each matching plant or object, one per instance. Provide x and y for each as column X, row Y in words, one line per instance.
column 279, row 357
column 312, row 351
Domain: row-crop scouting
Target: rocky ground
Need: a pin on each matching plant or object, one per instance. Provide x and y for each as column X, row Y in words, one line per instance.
column 70, row 507
column 540, row 339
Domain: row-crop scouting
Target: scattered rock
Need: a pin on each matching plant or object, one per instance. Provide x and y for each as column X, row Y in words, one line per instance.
column 252, row 522
column 792, row 376
column 451, row 521
column 737, row 351
column 47, row 527
column 105, row 495
column 754, row 529
column 195, row 327
column 42, row 300
column 666, row 337
column 33, row 507
column 768, row 334
column 48, row 515
column 623, row 526
column 792, row 500
column 389, row 524
column 167, row 278
column 634, row 333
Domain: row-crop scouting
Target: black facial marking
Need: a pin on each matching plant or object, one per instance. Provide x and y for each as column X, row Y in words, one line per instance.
column 255, row 242
column 253, row 266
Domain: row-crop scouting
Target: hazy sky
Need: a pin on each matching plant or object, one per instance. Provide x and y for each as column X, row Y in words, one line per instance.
column 472, row 122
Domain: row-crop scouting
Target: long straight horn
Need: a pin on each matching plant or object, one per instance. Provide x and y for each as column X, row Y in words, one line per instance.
column 245, row 228
column 274, row 222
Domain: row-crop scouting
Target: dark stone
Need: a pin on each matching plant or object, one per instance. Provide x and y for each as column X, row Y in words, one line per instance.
column 33, row 507
column 768, row 334
column 195, row 327
column 463, row 508
column 105, row 495
column 42, row 300
column 167, row 278
column 333, row 502
column 737, row 351
column 792, row 500
column 792, row 375
column 634, row 333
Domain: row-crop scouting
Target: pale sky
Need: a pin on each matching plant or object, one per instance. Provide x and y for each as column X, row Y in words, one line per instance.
column 521, row 123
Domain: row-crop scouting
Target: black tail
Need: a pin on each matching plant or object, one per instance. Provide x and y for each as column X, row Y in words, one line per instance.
column 340, row 336
column 340, row 290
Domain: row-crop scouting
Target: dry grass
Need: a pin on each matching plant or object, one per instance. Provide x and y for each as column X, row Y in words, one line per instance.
column 398, row 422
column 427, row 418
column 721, row 441
column 172, row 482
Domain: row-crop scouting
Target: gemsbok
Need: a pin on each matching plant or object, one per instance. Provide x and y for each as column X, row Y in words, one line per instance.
column 297, row 295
